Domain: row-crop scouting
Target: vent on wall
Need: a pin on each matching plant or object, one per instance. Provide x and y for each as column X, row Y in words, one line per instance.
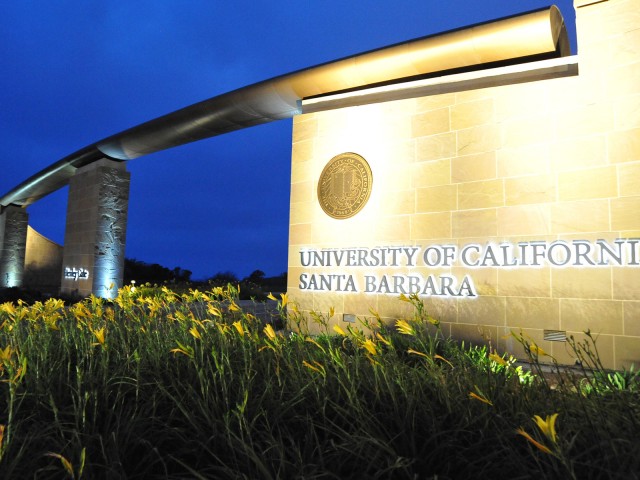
column 349, row 317
column 555, row 335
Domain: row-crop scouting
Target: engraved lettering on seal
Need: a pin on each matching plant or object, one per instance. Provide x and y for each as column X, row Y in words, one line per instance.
column 345, row 185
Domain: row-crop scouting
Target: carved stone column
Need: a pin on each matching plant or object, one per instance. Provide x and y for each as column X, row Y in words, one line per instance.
column 94, row 246
column 13, row 242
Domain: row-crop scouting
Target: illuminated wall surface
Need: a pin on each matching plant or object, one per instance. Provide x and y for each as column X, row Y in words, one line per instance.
column 42, row 263
column 514, row 207
column 13, row 232
column 93, row 259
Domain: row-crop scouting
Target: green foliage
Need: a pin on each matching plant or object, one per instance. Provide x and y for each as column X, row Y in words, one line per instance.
column 500, row 365
column 603, row 382
column 159, row 384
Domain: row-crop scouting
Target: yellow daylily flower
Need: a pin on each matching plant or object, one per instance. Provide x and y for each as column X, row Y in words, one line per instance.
column 20, row 373
column 338, row 329
column 415, row 352
column 8, row 307
column 370, row 346
column 316, row 368
column 382, row 339
column 200, row 323
column 271, row 297
column 536, row 350
column 185, row 350
column 480, row 396
column 196, row 334
column 6, row 354
column 541, row 447
column 497, row 358
column 217, row 291
column 285, row 299
column 404, row 327
column 65, row 463
column 195, row 295
column 547, row 426
column 440, row 357
column 311, row 340
column 223, row 328
column 238, row 327
column 270, row 332
column 99, row 334
column 54, row 304
column 233, row 307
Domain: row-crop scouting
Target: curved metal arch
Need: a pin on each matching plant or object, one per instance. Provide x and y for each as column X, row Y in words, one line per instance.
column 534, row 35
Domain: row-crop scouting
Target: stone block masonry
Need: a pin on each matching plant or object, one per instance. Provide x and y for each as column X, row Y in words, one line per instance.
column 526, row 196
column 95, row 234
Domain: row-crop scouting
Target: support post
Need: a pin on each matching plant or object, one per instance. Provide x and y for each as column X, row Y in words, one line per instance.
column 14, row 221
column 95, row 234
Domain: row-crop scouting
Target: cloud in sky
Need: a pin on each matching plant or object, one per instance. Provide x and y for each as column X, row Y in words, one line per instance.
column 75, row 72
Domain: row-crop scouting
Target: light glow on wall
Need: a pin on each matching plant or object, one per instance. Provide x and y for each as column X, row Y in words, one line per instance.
column 13, row 238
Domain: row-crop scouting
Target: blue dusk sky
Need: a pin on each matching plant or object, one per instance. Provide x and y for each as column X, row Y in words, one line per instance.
column 77, row 71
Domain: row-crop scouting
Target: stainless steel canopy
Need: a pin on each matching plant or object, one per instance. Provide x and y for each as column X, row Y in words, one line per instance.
column 535, row 35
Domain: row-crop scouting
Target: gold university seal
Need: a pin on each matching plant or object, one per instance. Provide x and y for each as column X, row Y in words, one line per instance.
column 345, row 185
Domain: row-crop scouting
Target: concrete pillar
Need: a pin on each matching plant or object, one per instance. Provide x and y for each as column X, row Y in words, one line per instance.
column 95, row 234
column 14, row 221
